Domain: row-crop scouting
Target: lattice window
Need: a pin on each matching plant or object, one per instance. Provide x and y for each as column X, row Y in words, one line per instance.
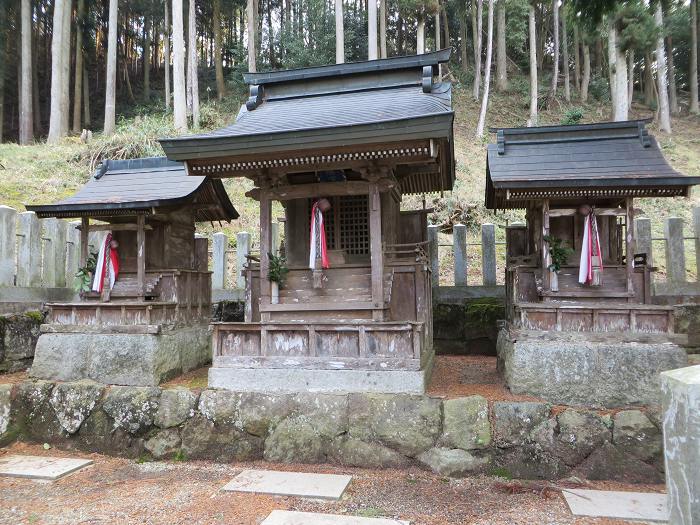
column 354, row 224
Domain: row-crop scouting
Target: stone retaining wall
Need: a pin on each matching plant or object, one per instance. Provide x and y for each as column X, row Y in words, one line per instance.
column 453, row 437
column 18, row 337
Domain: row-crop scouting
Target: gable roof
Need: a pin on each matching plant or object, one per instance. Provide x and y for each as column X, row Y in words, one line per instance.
column 121, row 186
column 354, row 107
column 610, row 159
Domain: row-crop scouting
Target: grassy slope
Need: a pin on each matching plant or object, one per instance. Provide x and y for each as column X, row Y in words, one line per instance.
column 42, row 173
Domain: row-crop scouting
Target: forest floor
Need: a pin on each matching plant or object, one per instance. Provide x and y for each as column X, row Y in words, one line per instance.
column 124, row 491
column 41, row 173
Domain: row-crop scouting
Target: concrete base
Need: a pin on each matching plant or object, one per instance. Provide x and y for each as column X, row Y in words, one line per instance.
column 285, row 380
column 596, row 370
column 681, row 421
column 121, row 359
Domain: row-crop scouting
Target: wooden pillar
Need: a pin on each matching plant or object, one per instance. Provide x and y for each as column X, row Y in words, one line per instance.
column 84, row 241
column 265, row 247
column 629, row 244
column 141, row 253
column 376, row 251
column 545, row 247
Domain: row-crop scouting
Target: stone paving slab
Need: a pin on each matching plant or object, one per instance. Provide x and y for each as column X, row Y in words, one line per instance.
column 304, row 485
column 40, row 467
column 639, row 506
column 284, row 517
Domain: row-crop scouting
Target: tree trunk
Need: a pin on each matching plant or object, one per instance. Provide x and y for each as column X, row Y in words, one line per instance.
column 127, row 81
column 577, row 59
column 586, row 78
column 630, row 77
column 477, row 47
column 87, row 120
column 251, row 14
column 400, row 34
column 78, row 87
column 192, row 62
column 339, row 33
column 599, row 57
column 565, row 59
column 555, row 57
column 463, row 44
column 218, row 61
column 533, row 66
column 166, row 53
column 438, row 36
column 445, row 26
column 372, row 53
column 179, row 95
column 693, row 75
column 111, row 79
column 487, row 73
column 26, row 119
column 672, row 88
column 661, row 72
column 648, row 81
column 36, row 104
column 501, row 57
column 382, row 29
column 65, row 61
column 147, row 27
column 3, row 62
column 55, row 118
column 612, row 57
column 420, row 35
column 619, row 68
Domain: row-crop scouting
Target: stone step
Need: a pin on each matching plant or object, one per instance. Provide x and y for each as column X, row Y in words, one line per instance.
column 300, row 484
column 285, row 517
column 40, row 467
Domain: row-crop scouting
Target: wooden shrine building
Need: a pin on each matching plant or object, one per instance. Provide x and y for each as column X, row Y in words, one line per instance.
column 150, row 207
column 554, row 171
column 355, row 138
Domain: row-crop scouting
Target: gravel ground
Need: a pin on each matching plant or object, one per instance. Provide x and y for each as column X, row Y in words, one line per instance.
column 120, row 491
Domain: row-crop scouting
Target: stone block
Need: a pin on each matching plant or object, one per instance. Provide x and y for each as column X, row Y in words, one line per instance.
column 299, row 484
column 357, row 453
column 406, row 423
column 634, row 506
column 204, row 439
column 176, row 405
column 40, row 467
column 452, row 462
column 466, row 423
column 132, row 408
column 576, row 370
column 5, row 406
column 681, row 431
column 296, row 440
column 121, row 359
column 288, row 517
column 609, row 462
column 635, row 433
column 513, row 421
column 164, row 444
column 73, row 403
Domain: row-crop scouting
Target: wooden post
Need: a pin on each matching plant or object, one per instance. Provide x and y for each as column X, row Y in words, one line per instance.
column 488, row 254
column 459, row 246
column 376, row 251
column 84, row 233
column 141, row 254
column 265, row 247
column 220, row 244
column 545, row 248
column 629, row 244
column 434, row 259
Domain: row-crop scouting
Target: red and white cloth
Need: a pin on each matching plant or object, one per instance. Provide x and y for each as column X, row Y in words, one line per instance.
column 589, row 248
column 107, row 264
column 318, row 248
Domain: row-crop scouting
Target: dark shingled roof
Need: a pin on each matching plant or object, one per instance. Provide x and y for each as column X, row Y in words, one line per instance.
column 388, row 101
column 120, row 186
column 611, row 159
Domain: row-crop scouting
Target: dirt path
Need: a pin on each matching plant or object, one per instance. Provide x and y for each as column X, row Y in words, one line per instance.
column 120, row 491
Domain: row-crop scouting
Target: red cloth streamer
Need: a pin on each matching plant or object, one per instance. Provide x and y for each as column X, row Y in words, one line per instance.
column 318, row 238
column 107, row 253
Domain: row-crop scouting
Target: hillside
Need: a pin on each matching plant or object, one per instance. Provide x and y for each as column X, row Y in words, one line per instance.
column 42, row 173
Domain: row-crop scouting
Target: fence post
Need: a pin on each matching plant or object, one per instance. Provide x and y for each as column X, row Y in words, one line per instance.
column 696, row 234
column 8, row 228
column 488, row 253
column 219, row 247
column 54, row 253
column 29, row 250
column 675, row 252
column 242, row 251
column 72, row 252
column 459, row 246
column 642, row 229
column 434, row 260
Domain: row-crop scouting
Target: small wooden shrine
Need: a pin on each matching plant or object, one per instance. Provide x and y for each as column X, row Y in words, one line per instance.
column 560, row 175
column 341, row 145
column 149, row 207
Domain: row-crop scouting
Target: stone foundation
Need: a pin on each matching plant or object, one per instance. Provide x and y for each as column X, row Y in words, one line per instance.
column 590, row 369
column 454, row 437
column 145, row 359
column 681, row 426
column 18, row 336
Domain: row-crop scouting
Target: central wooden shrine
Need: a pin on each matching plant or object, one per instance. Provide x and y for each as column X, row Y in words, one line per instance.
column 359, row 136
